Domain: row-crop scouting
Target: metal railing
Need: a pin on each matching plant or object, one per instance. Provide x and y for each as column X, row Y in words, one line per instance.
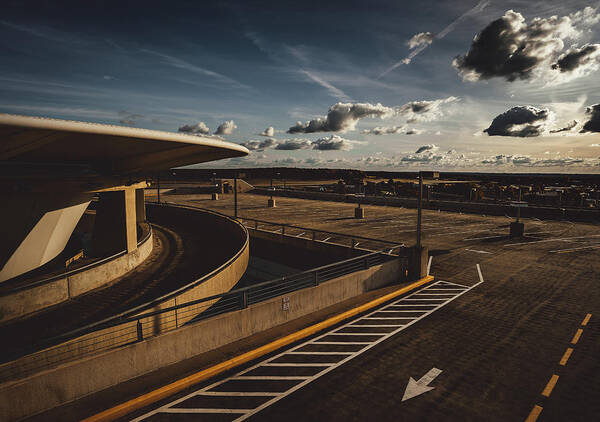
column 317, row 235
column 127, row 330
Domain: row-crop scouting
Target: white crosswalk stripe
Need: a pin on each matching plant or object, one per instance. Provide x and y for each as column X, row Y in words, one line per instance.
column 325, row 358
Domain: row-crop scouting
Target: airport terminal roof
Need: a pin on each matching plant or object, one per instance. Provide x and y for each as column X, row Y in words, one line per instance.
column 106, row 149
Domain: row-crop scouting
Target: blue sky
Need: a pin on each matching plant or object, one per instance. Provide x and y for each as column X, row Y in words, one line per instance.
column 260, row 64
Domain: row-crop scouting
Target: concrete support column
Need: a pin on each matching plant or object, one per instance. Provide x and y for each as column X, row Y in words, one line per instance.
column 115, row 226
column 417, row 262
column 140, row 206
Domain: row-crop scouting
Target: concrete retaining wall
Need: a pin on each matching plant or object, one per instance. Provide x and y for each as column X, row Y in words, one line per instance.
column 220, row 282
column 544, row 213
column 71, row 381
column 24, row 302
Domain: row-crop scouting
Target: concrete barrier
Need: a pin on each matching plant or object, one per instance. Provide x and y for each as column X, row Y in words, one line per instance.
column 68, row 382
column 544, row 213
column 74, row 283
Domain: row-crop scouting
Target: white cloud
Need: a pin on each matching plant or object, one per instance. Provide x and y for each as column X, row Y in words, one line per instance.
column 199, row 128
column 420, row 39
column 226, row 128
column 384, row 130
column 333, row 142
column 270, row 132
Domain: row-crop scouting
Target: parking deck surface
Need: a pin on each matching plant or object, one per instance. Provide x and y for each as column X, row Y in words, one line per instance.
column 520, row 346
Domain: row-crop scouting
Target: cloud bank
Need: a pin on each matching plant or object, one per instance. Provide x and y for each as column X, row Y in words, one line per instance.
column 343, row 117
column 253, row 145
column 333, row 143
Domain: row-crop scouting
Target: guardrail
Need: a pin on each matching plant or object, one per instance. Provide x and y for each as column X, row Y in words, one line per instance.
column 119, row 332
column 347, row 240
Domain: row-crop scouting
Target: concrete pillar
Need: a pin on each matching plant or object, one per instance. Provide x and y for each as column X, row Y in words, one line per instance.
column 417, row 262
column 516, row 229
column 130, row 220
column 140, row 206
column 115, row 227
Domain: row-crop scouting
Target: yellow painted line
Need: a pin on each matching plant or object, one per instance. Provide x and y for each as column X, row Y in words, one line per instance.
column 566, row 356
column 535, row 413
column 179, row 385
column 550, row 386
column 586, row 319
column 577, row 336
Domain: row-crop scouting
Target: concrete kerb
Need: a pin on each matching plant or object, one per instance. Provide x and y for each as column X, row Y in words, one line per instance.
column 158, row 394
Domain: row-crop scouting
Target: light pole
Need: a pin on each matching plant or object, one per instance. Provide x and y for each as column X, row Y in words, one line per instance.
column 519, row 207
column 271, row 201
column 235, row 201
column 158, row 186
column 419, row 210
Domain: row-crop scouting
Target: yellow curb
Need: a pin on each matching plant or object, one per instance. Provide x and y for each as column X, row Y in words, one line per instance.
column 169, row 389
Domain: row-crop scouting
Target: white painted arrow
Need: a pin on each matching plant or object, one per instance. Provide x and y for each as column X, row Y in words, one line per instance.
column 415, row 388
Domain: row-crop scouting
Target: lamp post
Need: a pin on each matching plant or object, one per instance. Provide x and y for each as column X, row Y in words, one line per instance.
column 158, row 187
column 235, row 201
column 215, row 194
column 419, row 209
column 271, row 201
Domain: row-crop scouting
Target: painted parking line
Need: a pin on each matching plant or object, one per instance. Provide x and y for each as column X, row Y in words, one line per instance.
column 263, row 384
column 556, row 239
column 582, row 248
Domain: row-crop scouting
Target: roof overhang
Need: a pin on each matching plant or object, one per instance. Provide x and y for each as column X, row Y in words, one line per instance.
column 104, row 150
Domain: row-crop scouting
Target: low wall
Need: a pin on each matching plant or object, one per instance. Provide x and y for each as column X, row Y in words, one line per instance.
column 544, row 213
column 74, row 283
column 219, row 277
column 48, row 389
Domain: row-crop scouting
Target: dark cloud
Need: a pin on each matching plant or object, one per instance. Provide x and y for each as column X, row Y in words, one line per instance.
column 566, row 128
column 293, row 144
column 521, row 121
column 199, row 128
column 331, row 143
column 226, row 128
column 593, row 124
column 428, row 147
column 576, row 57
column 342, row 117
column 513, row 49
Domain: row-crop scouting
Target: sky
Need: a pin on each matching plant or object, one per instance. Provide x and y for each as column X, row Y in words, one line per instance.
column 455, row 85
